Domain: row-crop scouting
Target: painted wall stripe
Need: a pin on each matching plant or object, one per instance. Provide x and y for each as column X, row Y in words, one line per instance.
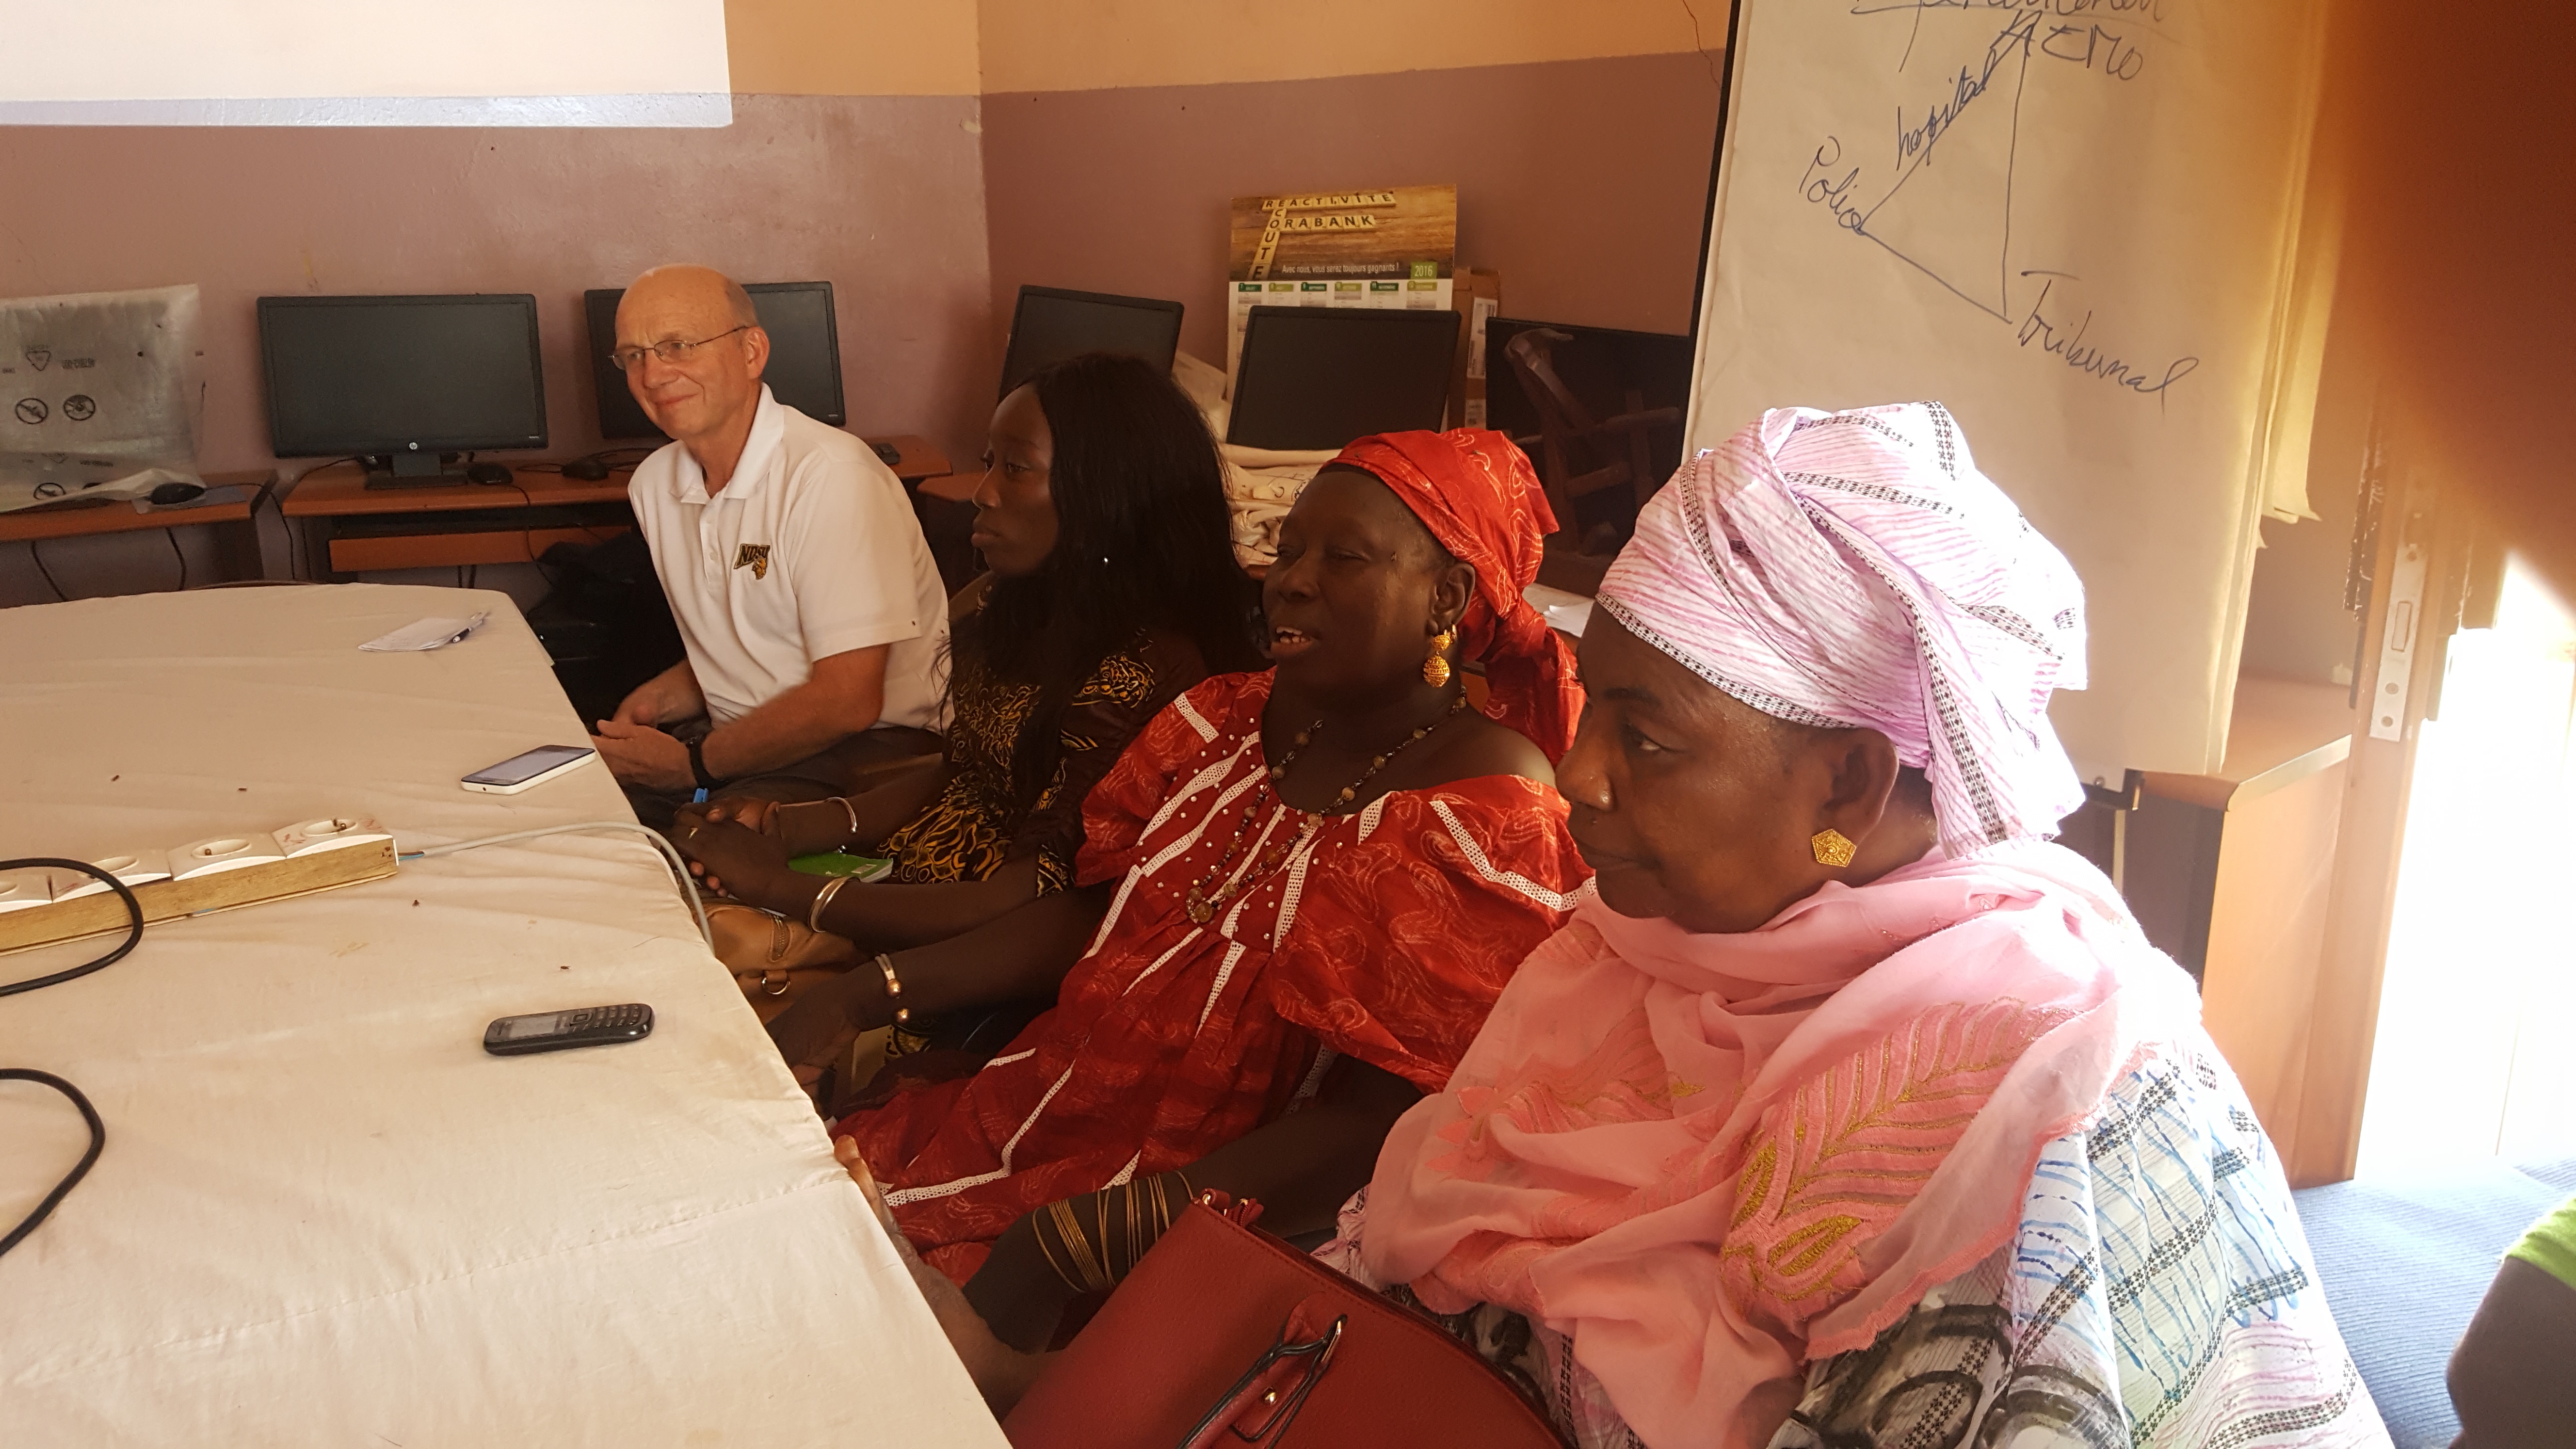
column 692, row 109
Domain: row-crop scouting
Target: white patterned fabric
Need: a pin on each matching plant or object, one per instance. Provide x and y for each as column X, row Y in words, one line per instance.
column 1854, row 569
column 2158, row 1294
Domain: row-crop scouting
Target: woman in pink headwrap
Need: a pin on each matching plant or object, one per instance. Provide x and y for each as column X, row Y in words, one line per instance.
column 1851, row 1111
column 1315, row 882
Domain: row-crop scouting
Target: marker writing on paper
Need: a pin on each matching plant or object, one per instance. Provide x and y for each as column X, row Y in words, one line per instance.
column 2071, row 349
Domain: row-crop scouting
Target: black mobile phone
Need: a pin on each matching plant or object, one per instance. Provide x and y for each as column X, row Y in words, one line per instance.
column 554, row 1031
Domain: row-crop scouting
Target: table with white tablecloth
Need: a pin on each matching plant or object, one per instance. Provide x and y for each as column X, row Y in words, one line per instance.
column 324, row 1215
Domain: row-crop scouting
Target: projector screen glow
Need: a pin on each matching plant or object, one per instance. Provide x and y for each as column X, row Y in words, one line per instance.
column 366, row 63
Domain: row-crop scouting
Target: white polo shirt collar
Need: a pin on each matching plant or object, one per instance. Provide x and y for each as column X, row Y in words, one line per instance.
column 761, row 454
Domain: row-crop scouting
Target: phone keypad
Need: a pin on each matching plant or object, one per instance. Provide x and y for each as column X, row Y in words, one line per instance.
column 604, row 1018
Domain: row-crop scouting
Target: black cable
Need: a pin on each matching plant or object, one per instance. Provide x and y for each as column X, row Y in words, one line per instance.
column 527, row 534
column 268, row 494
column 527, row 540
column 89, row 1114
column 71, row 1179
column 133, row 910
column 172, row 534
column 295, row 537
column 59, row 595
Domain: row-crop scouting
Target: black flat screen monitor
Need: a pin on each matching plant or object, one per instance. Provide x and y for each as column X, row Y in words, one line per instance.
column 1608, row 370
column 804, row 369
column 1050, row 324
column 405, row 378
column 1318, row 377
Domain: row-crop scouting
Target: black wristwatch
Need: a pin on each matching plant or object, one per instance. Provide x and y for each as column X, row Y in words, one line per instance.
column 698, row 764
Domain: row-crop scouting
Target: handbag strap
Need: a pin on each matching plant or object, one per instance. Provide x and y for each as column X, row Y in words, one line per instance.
column 1243, row 1212
column 1260, row 1405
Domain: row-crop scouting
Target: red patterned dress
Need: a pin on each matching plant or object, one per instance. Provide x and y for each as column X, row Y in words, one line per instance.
column 1383, row 935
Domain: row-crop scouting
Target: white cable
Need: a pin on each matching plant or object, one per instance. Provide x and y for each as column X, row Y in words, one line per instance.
column 679, row 867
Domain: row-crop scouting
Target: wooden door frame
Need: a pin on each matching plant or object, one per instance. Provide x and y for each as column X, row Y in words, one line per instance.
column 2421, row 519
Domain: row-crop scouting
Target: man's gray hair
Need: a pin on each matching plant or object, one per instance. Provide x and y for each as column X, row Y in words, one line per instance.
column 744, row 314
column 737, row 301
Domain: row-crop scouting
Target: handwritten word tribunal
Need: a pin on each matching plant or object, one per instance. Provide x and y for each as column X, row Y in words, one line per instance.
column 2093, row 361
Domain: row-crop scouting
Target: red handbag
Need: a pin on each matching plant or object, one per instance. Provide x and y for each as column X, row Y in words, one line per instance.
column 1226, row 1336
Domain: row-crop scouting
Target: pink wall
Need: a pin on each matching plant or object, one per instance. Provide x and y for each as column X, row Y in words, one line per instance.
column 881, row 196
column 1583, row 182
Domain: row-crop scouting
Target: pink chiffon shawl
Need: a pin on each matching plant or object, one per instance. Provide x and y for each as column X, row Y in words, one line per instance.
column 1711, row 1158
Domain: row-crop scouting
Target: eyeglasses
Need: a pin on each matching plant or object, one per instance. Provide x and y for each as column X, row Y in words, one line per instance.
column 673, row 352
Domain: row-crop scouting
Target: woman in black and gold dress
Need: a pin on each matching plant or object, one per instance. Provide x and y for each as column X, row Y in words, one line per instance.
column 1112, row 587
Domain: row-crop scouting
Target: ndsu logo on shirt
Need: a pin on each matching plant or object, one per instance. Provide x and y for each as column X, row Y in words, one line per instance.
column 753, row 556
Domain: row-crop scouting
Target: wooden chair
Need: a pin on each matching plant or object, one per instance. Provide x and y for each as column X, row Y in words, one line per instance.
column 1576, row 454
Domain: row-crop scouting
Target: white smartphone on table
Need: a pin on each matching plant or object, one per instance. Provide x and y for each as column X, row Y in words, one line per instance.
column 522, row 772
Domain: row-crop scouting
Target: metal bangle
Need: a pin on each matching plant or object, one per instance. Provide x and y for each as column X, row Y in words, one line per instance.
column 1037, row 1232
column 1093, row 1273
column 854, row 818
column 894, row 989
column 822, row 898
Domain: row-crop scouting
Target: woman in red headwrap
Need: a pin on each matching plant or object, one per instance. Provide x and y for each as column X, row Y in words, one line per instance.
column 1310, row 886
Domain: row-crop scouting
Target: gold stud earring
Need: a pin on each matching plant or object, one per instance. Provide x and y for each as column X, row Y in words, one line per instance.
column 1832, row 847
column 1435, row 670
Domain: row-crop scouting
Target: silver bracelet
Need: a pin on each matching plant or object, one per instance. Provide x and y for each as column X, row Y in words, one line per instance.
column 854, row 817
column 894, row 989
column 823, row 897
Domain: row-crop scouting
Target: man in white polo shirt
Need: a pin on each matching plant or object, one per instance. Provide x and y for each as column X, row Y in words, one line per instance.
column 814, row 617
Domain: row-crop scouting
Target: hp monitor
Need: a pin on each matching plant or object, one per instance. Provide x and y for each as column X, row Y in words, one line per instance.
column 1318, row 377
column 1050, row 325
column 804, row 369
column 400, row 381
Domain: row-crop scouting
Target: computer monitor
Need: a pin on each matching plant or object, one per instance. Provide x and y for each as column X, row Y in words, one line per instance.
column 404, row 379
column 1318, row 377
column 804, row 369
column 1050, row 324
column 1609, row 371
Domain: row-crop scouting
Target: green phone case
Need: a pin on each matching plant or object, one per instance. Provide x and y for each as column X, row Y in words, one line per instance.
column 866, row 868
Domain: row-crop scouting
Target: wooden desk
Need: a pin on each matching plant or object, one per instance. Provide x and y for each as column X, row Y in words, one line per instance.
column 357, row 529
column 2232, row 872
column 915, row 458
column 229, row 514
column 360, row 529
column 948, row 487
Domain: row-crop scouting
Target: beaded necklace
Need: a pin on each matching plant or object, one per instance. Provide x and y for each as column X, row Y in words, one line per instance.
column 1206, row 897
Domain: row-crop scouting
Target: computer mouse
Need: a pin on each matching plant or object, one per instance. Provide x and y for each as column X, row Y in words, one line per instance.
column 169, row 493
column 588, row 470
column 493, row 473
column 892, row 455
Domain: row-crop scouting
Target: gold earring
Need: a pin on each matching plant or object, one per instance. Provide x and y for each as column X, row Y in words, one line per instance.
column 1435, row 670
column 1832, row 847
